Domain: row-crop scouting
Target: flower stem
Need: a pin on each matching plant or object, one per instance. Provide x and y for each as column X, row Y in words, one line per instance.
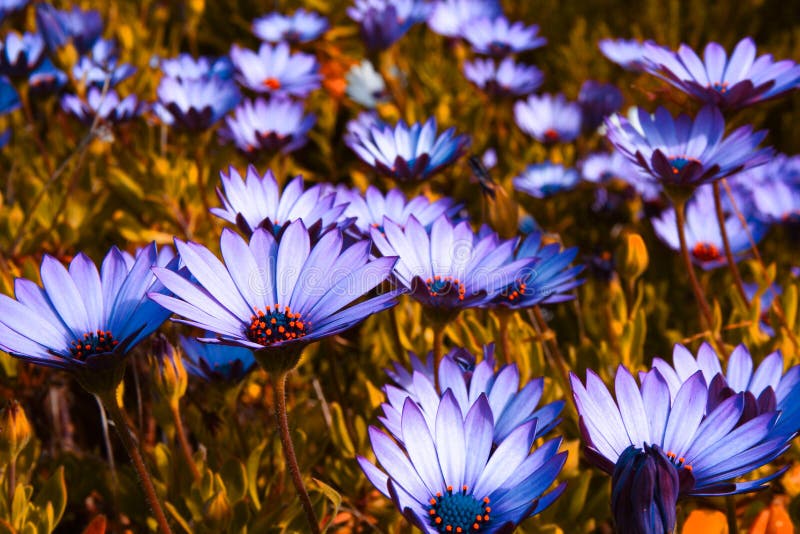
column 730, row 513
column 124, row 432
column 438, row 344
column 737, row 277
column 680, row 219
column 505, row 345
column 183, row 442
column 107, row 441
column 279, row 386
column 12, row 480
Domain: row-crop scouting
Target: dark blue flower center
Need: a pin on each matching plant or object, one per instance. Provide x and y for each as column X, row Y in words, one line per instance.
column 706, row 252
column 551, row 135
column 458, row 512
column 439, row 286
column 678, row 163
column 93, row 343
column 275, row 325
column 720, row 87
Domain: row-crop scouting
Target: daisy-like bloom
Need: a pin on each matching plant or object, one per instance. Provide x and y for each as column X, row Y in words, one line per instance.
column 506, row 79
column 300, row 27
column 383, row 22
column 20, row 54
column 109, row 107
column 601, row 167
column 365, row 85
column 703, row 237
column 598, row 101
column 82, row 28
column 83, row 321
column 451, row 479
column 47, row 78
column 186, row 67
column 275, row 70
column 547, row 280
column 276, row 296
column 730, row 83
column 448, row 16
column 627, row 53
column 499, row 37
column 660, row 446
column 256, row 201
column 9, row 98
column 549, row 118
column 404, row 153
column 449, row 267
column 195, row 104
column 458, row 372
column 545, row 179
column 370, row 209
column 685, row 152
column 101, row 64
column 216, row 363
column 275, row 124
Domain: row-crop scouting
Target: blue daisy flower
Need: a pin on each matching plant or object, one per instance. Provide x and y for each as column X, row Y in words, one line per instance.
column 602, row 167
column 660, row 447
column 499, row 37
column 451, row 479
column 627, row 53
column 545, row 179
column 195, row 104
column 365, row 85
column 8, row 7
column 20, row 54
column 383, row 22
column 186, row 67
column 548, row 118
column 83, row 320
column 102, row 64
column 506, row 79
column 685, row 152
column 777, row 201
column 109, row 107
column 9, row 97
column 703, row 237
column 598, row 101
column 256, row 201
column 82, row 27
column 216, row 363
column 449, row 267
column 300, row 27
column 275, row 70
column 47, row 78
column 730, row 83
column 404, row 153
column 279, row 123
column 449, row 16
column 272, row 296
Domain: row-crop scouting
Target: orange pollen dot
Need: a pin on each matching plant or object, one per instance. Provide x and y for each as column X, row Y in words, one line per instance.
column 272, row 83
column 706, row 252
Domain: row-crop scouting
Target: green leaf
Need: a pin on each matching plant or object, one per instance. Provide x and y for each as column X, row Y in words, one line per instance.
column 331, row 495
column 253, row 463
column 178, row 518
column 54, row 492
column 234, row 475
column 339, row 433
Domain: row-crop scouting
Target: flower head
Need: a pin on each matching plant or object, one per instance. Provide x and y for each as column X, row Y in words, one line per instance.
column 275, row 124
column 365, row 85
column 403, row 152
column 276, row 296
column 506, row 79
column 216, row 363
column 449, row 267
column 449, row 16
column 499, row 37
column 47, row 78
column 451, row 479
column 545, row 179
column 275, row 70
column 300, row 27
column 20, row 54
column 9, row 98
column 257, row 202
column 195, row 104
column 186, row 67
column 383, row 22
column 101, row 64
column 82, row 27
column 603, row 167
column 83, row 320
column 598, row 101
column 109, row 107
column 548, row 118
column 627, row 53
column 729, row 83
column 703, row 237
column 685, row 152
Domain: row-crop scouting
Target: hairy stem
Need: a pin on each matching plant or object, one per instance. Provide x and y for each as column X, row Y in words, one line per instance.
column 680, row 219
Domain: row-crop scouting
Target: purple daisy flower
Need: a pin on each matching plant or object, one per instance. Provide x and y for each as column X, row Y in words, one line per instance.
column 186, row 67
column 195, row 104
column 9, row 98
column 601, row 167
column 449, row 16
column 732, row 83
column 548, row 118
column 660, row 447
column 404, row 153
column 777, row 202
column 703, row 237
column 300, row 27
column 216, row 363
column 102, row 64
column 685, row 152
column 499, row 37
column 257, row 202
column 57, row 27
column 511, row 406
column 109, row 107
column 47, row 78
column 20, row 54
column 83, row 320
column 8, row 7
column 598, row 101
column 383, row 22
column 276, row 296
column 275, row 70
column 451, row 479
column 545, row 179
column 449, row 267
column 275, row 124
column 370, row 209
column 627, row 53
column 507, row 79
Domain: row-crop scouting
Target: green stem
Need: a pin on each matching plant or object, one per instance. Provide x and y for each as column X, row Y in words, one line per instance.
column 737, row 277
column 680, row 219
column 730, row 513
column 124, row 432
column 12, row 481
column 107, row 441
column 183, row 442
column 505, row 345
column 438, row 344
column 279, row 386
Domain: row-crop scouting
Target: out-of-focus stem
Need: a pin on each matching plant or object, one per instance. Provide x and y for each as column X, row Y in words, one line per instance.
column 737, row 277
column 680, row 219
column 183, row 442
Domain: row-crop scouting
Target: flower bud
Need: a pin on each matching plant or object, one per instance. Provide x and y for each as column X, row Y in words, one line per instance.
column 631, row 257
column 218, row 507
column 15, row 431
column 774, row 519
column 169, row 374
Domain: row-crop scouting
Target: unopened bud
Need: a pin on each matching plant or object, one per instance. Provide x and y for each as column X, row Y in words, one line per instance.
column 631, row 257
column 15, row 431
column 169, row 374
column 774, row 519
column 218, row 507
